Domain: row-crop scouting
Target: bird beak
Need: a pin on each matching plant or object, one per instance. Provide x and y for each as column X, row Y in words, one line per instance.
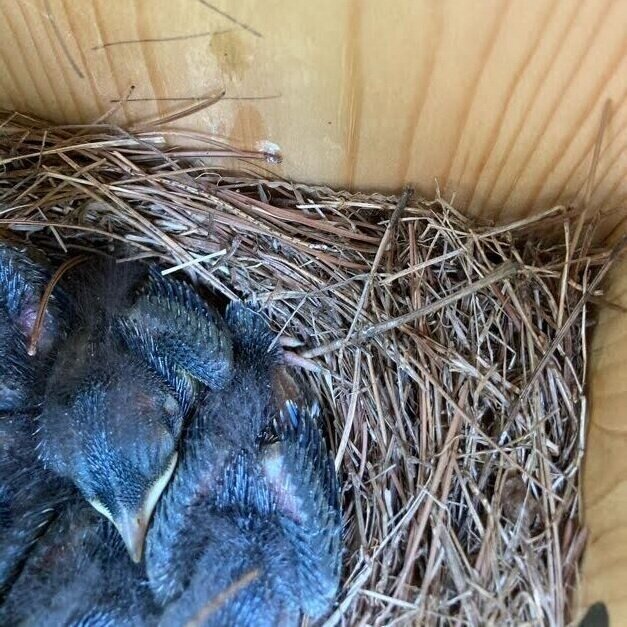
column 132, row 528
column 133, row 525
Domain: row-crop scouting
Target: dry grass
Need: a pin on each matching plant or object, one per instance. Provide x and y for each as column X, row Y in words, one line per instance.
column 450, row 357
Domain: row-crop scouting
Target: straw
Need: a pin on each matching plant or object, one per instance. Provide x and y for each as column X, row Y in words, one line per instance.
column 448, row 356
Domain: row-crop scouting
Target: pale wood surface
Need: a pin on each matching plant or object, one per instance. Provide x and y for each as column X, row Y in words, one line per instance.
column 498, row 100
column 605, row 476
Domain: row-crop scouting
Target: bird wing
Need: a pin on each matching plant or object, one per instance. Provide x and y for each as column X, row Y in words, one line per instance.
column 23, row 276
column 78, row 574
column 254, row 342
column 297, row 466
column 169, row 322
column 242, row 488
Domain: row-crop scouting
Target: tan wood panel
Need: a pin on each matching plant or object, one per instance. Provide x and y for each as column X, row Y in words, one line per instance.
column 605, row 476
column 498, row 100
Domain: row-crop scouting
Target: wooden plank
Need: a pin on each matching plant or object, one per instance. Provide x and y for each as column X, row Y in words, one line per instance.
column 605, row 476
column 498, row 100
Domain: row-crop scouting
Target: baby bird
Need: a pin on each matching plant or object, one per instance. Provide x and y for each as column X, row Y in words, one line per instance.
column 29, row 495
column 121, row 385
column 223, row 423
column 79, row 574
column 23, row 278
column 271, row 535
column 249, row 530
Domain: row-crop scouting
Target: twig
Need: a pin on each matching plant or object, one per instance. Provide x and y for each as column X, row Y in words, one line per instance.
column 221, row 599
column 363, row 299
column 41, row 312
column 505, row 271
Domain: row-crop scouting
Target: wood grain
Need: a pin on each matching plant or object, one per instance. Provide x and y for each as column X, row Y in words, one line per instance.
column 499, row 101
column 605, row 476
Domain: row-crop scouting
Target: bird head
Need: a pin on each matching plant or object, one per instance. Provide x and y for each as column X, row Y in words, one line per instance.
column 138, row 349
column 111, row 426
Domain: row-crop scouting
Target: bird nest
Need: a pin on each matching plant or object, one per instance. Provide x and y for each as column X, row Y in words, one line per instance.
column 449, row 357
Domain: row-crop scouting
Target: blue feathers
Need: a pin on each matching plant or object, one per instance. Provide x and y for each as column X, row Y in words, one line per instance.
column 22, row 283
column 252, row 337
column 255, row 490
column 242, row 490
column 28, row 494
column 79, row 574
column 177, row 331
column 155, row 419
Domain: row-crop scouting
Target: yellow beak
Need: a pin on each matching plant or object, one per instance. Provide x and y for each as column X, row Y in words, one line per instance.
column 133, row 529
column 133, row 525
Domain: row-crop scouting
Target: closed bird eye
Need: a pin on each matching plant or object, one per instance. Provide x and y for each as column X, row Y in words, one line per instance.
column 172, row 414
column 167, row 442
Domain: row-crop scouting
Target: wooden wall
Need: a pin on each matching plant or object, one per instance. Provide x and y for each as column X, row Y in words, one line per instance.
column 498, row 100
column 605, row 476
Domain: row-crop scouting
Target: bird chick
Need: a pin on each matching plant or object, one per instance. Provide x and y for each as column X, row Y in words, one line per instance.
column 79, row 574
column 223, row 423
column 29, row 495
column 266, row 543
column 254, row 496
column 23, row 278
column 117, row 393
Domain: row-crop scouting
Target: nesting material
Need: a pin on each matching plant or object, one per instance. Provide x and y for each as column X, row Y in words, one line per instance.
column 449, row 357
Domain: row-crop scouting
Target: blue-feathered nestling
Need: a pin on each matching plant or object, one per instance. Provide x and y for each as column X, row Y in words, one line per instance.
column 248, row 532
column 79, row 574
column 121, row 385
column 23, row 278
column 28, row 494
